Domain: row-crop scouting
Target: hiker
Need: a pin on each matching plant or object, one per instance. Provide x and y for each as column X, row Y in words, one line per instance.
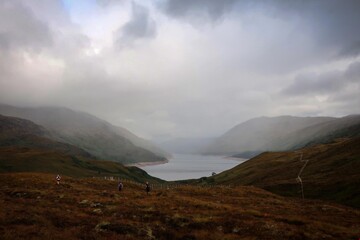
column 120, row 186
column 58, row 178
column 147, row 188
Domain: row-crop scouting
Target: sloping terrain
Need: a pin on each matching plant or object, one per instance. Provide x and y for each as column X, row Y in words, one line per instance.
column 89, row 133
column 332, row 172
column 24, row 134
column 256, row 134
column 17, row 159
column 24, row 147
column 325, row 132
column 140, row 142
column 37, row 208
column 282, row 133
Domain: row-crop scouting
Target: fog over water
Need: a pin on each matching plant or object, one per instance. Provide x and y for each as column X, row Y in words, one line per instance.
column 190, row 166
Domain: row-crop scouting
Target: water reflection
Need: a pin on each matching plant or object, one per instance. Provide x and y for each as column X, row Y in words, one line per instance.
column 188, row 166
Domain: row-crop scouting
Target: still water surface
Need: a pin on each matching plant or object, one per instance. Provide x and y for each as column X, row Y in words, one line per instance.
column 188, row 166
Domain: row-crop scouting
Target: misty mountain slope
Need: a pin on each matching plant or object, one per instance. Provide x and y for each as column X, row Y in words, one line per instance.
column 24, row 147
column 140, row 142
column 332, row 173
column 325, row 132
column 260, row 134
column 26, row 134
column 14, row 127
column 88, row 132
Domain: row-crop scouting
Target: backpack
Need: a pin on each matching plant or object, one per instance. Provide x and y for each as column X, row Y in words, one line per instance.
column 120, row 187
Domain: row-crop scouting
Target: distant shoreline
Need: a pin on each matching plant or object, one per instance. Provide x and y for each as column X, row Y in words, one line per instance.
column 144, row 164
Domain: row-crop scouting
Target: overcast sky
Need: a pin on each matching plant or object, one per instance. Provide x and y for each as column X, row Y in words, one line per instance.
column 182, row 68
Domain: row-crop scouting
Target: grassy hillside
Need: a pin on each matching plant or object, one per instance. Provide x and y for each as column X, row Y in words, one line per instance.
column 21, row 133
column 17, row 159
column 332, row 173
column 90, row 133
column 37, row 208
column 24, row 147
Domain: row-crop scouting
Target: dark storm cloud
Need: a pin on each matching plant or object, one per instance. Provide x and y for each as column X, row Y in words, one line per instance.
column 334, row 24
column 352, row 51
column 20, row 28
column 212, row 8
column 140, row 26
column 189, row 81
column 353, row 72
column 324, row 83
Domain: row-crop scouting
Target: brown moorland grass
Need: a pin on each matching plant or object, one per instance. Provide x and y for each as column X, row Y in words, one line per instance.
column 31, row 159
column 332, row 172
column 34, row 207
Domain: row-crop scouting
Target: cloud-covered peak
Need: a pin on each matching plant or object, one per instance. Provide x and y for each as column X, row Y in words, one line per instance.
column 187, row 68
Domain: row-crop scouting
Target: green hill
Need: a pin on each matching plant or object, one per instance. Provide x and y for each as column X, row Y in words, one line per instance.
column 332, row 172
column 90, row 133
column 24, row 147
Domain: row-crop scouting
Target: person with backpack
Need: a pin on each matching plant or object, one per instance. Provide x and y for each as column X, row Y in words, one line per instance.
column 58, row 178
column 147, row 188
column 120, row 186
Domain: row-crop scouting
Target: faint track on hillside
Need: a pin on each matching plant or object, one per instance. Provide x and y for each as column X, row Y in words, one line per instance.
column 300, row 172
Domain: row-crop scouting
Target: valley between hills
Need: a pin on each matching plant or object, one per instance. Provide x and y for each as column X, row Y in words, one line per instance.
column 258, row 199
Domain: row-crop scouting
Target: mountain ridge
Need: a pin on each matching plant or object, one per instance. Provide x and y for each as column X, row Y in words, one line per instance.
column 90, row 133
column 25, row 147
column 277, row 133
